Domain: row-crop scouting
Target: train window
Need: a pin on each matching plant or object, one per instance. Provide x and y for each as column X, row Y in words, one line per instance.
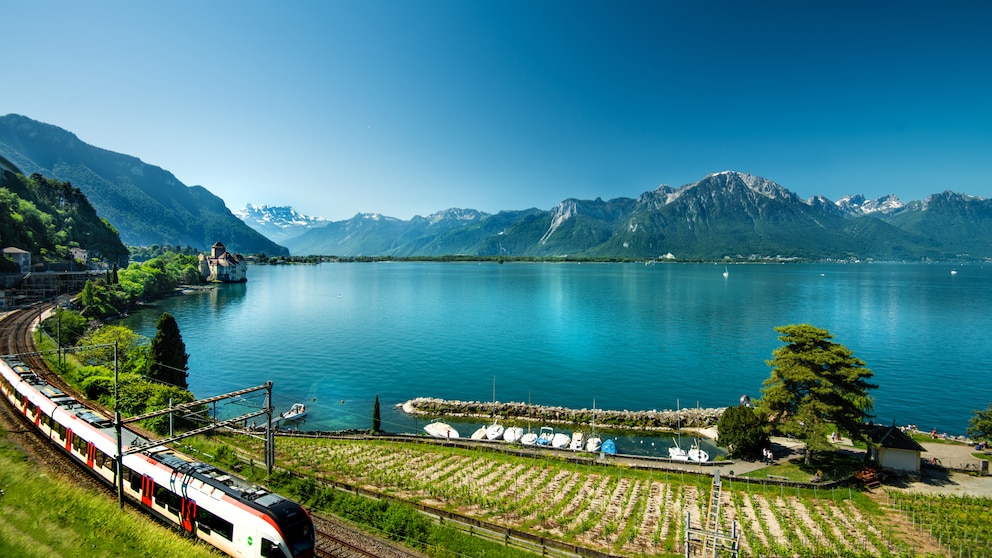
column 133, row 479
column 270, row 549
column 207, row 521
column 80, row 445
column 168, row 499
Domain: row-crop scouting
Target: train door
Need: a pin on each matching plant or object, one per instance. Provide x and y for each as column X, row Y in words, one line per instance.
column 188, row 515
column 147, row 490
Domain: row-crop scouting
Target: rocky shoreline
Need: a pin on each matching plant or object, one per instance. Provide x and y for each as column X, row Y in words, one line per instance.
column 636, row 420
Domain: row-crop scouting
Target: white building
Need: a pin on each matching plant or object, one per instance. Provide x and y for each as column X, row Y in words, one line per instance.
column 893, row 449
column 20, row 257
column 222, row 266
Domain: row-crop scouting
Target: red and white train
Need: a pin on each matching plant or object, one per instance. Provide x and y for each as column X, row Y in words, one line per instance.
column 225, row 511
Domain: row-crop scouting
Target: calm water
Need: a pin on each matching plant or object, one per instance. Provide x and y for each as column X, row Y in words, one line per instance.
column 627, row 335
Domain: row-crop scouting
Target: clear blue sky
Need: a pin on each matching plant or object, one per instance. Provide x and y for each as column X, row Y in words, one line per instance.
column 412, row 106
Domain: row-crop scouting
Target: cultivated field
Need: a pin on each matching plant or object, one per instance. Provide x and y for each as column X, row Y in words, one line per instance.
column 620, row 510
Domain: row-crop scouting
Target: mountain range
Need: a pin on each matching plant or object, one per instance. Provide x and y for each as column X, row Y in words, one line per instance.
column 725, row 215
column 145, row 203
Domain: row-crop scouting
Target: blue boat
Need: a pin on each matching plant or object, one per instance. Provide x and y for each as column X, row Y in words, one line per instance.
column 609, row 447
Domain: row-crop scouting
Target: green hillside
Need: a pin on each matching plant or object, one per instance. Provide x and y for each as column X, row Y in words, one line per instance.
column 48, row 217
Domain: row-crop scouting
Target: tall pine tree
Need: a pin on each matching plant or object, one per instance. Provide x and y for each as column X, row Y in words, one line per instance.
column 168, row 353
column 816, row 386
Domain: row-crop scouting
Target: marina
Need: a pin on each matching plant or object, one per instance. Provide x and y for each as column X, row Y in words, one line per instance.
column 569, row 431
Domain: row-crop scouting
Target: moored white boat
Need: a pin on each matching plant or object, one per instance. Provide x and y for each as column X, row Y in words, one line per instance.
column 578, row 440
column 528, row 439
column 560, row 440
column 593, row 444
column 676, row 453
column 698, row 454
column 296, row 412
column 439, row 429
column 479, row 434
column 513, row 434
column 546, row 435
column 495, row 431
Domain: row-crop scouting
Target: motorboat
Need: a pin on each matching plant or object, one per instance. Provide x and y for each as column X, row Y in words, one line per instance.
column 676, row 453
column 296, row 412
column 609, row 447
column 528, row 439
column 480, row 433
column 495, row 431
column 439, row 429
column 578, row 440
column 546, row 435
column 513, row 434
column 593, row 444
column 560, row 440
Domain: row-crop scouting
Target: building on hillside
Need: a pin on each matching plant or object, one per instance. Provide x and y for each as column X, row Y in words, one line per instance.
column 79, row 254
column 222, row 266
column 893, row 449
column 20, row 257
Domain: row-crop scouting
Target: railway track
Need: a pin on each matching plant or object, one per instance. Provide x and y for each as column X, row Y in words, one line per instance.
column 338, row 540
column 334, row 538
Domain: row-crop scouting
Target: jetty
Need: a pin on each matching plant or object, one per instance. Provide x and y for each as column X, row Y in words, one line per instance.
column 668, row 419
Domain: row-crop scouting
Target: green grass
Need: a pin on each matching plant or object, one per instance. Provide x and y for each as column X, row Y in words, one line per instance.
column 42, row 516
column 926, row 437
column 833, row 465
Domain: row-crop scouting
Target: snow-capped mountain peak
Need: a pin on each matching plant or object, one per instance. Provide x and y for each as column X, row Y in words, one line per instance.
column 858, row 205
column 278, row 223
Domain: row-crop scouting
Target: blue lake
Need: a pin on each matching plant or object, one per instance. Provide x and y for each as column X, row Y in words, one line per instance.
column 628, row 336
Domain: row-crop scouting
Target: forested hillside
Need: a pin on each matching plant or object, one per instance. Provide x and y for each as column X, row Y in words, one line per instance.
column 48, row 217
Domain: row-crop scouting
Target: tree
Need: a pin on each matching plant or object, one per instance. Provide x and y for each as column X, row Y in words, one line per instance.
column 66, row 325
column 980, row 424
column 743, row 431
column 131, row 352
column 376, row 422
column 815, row 386
column 168, row 353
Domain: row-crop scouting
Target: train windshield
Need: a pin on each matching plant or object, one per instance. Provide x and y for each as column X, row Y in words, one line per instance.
column 300, row 537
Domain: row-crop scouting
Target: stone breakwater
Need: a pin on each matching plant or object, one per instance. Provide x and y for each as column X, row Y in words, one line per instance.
column 641, row 420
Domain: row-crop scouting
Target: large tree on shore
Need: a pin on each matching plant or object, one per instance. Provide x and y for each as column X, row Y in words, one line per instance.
column 816, row 386
column 168, row 353
column 980, row 424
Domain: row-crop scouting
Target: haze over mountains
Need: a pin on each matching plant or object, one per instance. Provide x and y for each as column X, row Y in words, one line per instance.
column 724, row 215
